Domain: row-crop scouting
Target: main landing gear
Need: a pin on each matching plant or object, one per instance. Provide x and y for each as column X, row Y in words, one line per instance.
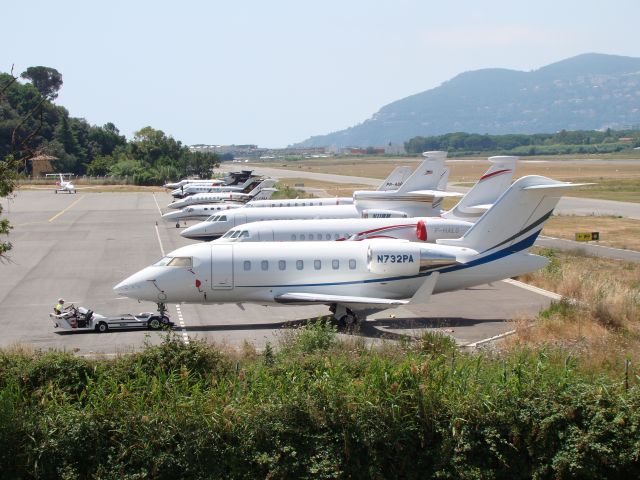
column 344, row 316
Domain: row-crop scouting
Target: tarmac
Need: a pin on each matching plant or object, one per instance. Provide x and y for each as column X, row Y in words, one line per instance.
column 79, row 246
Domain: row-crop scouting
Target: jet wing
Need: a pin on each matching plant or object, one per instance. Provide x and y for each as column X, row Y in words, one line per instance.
column 316, row 298
column 422, row 295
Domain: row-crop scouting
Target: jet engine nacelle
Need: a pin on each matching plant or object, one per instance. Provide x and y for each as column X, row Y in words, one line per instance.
column 404, row 258
column 378, row 213
column 397, row 258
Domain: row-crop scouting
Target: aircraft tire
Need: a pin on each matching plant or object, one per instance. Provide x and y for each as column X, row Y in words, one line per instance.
column 348, row 320
column 154, row 323
column 102, row 327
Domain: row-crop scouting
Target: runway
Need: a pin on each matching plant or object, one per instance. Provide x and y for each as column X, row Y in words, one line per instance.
column 79, row 246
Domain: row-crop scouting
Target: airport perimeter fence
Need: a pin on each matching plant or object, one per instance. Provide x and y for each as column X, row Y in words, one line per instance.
column 79, row 180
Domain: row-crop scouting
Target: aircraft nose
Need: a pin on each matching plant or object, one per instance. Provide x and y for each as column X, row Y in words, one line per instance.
column 171, row 215
column 140, row 285
column 196, row 229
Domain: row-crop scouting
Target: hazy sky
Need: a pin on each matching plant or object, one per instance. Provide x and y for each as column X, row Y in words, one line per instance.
column 276, row 72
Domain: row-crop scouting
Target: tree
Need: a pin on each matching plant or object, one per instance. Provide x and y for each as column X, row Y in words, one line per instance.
column 9, row 166
column 46, row 79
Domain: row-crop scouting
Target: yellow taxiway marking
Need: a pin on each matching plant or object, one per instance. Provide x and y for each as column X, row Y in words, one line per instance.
column 68, row 208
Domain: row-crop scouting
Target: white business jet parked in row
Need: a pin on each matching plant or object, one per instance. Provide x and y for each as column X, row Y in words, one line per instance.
column 353, row 277
column 426, row 176
column 193, row 189
column 215, row 197
column 453, row 223
column 206, row 210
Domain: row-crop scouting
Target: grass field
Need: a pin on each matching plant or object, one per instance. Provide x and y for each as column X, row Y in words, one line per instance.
column 614, row 181
column 614, row 231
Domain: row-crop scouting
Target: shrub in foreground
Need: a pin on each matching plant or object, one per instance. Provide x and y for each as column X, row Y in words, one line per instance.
column 315, row 409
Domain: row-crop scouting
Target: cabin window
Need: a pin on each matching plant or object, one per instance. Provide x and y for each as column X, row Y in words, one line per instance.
column 317, row 264
column 293, row 237
column 302, row 236
column 352, row 264
column 247, row 265
column 336, row 236
column 282, row 265
column 299, row 264
column 264, row 265
column 311, row 236
column 181, row 262
column 328, row 237
column 335, row 264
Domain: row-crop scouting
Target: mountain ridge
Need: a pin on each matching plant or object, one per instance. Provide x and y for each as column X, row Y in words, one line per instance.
column 590, row 91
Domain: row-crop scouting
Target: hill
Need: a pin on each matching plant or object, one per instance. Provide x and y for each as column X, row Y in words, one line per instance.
column 586, row 92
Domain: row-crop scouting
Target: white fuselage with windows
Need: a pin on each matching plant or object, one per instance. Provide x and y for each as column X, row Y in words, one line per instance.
column 425, row 229
column 206, row 210
column 218, row 225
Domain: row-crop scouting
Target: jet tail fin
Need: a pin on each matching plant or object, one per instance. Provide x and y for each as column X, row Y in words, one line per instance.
column 427, row 175
column 267, row 183
column 486, row 191
column 395, row 179
column 517, row 217
column 444, row 179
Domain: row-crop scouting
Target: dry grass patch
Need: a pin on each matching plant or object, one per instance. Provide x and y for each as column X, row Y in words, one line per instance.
column 332, row 189
column 619, row 182
column 600, row 315
column 614, row 231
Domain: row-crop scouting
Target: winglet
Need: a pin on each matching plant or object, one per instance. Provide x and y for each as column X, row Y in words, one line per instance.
column 423, row 294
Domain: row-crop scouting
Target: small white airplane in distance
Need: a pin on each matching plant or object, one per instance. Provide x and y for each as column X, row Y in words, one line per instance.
column 204, row 211
column 248, row 193
column 486, row 191
column 355, row 277
column 63, row 185
column 490, row 186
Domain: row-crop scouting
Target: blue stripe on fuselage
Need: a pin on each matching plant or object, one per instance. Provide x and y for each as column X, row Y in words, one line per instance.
column 515, row 248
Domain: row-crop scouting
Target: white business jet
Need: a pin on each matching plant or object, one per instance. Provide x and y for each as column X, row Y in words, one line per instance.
column 355, row 277
column 247, row 194
column 63, row 185
column 453, row 223
column 427, row 175
column 206, row 210
column 196, row 188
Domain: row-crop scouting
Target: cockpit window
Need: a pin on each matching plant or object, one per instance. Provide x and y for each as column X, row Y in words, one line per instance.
column 235, row 234
column 221, row 218
column 244, row 234
column 212, row 218
column 163, row 262
column 228, row 234
column 181, row 262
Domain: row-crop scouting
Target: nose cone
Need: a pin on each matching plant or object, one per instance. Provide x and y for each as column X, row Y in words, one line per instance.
column 141, row 286
column 172, row 215
column 196, row 231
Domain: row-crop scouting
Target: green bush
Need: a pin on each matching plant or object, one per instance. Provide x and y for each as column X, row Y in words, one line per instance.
column 316, row 408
